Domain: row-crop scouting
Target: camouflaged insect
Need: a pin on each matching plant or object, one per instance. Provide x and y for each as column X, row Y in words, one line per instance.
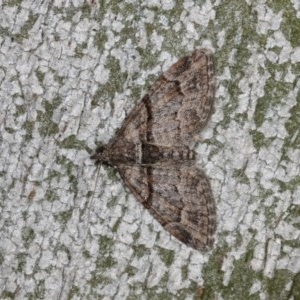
column 151, row 150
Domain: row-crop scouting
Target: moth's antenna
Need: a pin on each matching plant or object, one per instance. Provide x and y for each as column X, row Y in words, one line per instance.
column 97, row 177
column 92, row 199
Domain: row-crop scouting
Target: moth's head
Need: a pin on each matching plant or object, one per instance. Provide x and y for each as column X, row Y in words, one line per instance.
column 102, row 156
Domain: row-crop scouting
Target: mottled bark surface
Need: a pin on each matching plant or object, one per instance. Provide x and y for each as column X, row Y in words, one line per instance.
column 70, row 72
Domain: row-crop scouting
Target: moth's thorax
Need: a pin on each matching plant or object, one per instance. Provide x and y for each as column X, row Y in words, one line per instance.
column 125, row 153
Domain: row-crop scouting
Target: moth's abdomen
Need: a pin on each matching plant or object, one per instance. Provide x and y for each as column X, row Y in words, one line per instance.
column 152, row 154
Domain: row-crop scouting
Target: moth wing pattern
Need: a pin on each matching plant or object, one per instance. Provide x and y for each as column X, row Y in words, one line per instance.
column 177, row 106
column 134, row 127
column 178, row 197
column 182, row 99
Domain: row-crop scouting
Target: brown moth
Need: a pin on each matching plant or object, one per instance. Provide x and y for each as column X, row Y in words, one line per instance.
column 151, row 150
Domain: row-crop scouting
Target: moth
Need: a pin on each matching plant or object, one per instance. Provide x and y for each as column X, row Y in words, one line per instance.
column 152, row 155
